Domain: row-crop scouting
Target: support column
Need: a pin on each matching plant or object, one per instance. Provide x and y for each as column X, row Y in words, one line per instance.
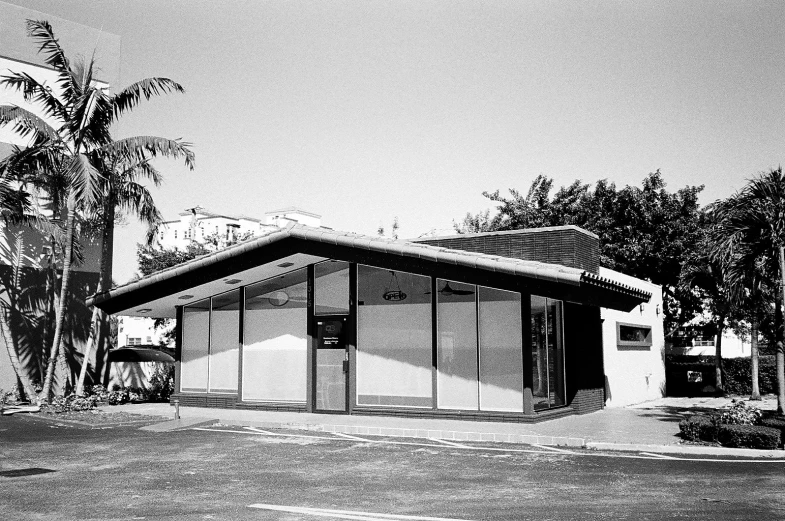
column 310, row 384
column 528, row 377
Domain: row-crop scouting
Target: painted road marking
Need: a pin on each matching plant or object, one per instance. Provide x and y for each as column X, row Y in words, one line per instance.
column 554, row 449
column 355, row 438
column 662, row 456
column 550, row 450
column 256, row 429
column 451, row 444
column 349, row 514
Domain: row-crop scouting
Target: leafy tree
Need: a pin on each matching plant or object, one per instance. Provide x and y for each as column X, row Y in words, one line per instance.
column 644, row 231
column 79, row 147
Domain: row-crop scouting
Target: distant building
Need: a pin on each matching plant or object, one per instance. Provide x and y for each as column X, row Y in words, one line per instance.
column 138, row 331
column 216, row 231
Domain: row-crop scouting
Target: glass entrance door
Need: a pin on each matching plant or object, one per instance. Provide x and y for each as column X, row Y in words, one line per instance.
column 332, row 364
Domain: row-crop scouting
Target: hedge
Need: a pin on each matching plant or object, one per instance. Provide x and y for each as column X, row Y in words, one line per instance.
column 699, row 428
column 749, row 436
column 736, row 372
column 776, row 423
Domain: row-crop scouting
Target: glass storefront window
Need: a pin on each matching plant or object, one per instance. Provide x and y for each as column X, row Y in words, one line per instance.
column 501, row 350
column 547, row 351
column 456, row 309
column 195, row 347
column 331, row 288
column 394, row 353
column 275, row 339
column 224, row 342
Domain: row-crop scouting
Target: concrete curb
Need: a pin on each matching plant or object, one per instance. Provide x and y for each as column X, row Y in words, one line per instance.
column 695, row 450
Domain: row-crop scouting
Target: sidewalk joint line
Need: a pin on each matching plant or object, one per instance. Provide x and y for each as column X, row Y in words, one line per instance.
column 663, row 456
column 546, row 447
column 356, row 438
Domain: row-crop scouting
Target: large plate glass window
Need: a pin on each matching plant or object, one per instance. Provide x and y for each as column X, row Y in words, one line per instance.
column 457, row 345
column 224, row 342
column 394, row 345
column 276, row 339
column 195, row 347
column 547, row 351
column 331, row 288
column 501, row 350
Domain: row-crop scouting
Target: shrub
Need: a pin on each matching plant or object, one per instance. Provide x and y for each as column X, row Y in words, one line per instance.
column 749, row 436
column 739, row 412
column 161, row 383
column 74, row 402
column 736, row 375
column 695, row 428
column 776, row 423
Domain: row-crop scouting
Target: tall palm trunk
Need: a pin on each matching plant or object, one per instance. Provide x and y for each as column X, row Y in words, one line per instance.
column 99, row 318
column 718, row 354
column 754, row 358
column 780, row 345
column 61, row 308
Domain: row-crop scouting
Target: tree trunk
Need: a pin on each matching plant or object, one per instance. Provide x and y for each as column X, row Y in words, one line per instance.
column 61, row 308
column 99, row 318
column 780, row 345
column 754, row 358
column 13, row 356
column 718, row 354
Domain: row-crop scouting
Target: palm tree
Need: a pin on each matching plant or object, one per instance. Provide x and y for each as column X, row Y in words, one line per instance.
column 124, row 192
column 80, row 138
column 752, row 226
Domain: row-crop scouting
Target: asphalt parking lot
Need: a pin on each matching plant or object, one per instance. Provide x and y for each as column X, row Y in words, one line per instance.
column 222, row 472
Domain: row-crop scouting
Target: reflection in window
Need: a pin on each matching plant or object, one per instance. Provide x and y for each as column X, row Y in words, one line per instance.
column 195, row 347
column 393, row 338
column 224, row 342
column 547, row 351
column 331, row 288
column 501, row 350
column 275, row 339
column 457, row 345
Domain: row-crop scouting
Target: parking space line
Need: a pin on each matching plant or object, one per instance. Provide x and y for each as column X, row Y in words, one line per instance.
column 451, row 444
column 554, row 449
column 541, row 449
column 256, row 429
column 661, row 456
column 355, row 438
column 349, row 514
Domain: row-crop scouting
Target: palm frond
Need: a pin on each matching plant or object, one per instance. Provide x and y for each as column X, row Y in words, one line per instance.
column 84, row 179
column 36, row 92
column 141, row 148
column 130, row 96
column 24, row 122
column 54, row 56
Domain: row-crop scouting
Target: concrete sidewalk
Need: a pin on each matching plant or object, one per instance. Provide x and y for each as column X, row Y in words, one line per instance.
column 651, row 426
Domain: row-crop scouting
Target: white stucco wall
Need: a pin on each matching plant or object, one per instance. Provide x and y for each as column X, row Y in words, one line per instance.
column 633, row 374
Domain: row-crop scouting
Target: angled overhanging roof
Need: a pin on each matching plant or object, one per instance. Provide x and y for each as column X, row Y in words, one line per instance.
column 209, row 274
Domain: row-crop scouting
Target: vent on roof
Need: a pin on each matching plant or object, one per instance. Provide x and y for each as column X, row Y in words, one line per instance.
column 185, row 297
column 285, row 264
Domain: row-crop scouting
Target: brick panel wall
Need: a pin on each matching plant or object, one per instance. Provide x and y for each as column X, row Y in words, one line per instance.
column 565, row 245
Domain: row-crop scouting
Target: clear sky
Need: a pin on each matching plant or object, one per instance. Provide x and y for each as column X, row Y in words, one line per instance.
column 366, row 110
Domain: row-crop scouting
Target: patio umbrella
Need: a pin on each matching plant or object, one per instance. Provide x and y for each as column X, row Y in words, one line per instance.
column 139, row 354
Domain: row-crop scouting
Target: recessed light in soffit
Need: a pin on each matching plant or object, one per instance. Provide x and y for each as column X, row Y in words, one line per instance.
column 232, row 281
column 285, row 264
column 144, row 310
column 185, row 297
